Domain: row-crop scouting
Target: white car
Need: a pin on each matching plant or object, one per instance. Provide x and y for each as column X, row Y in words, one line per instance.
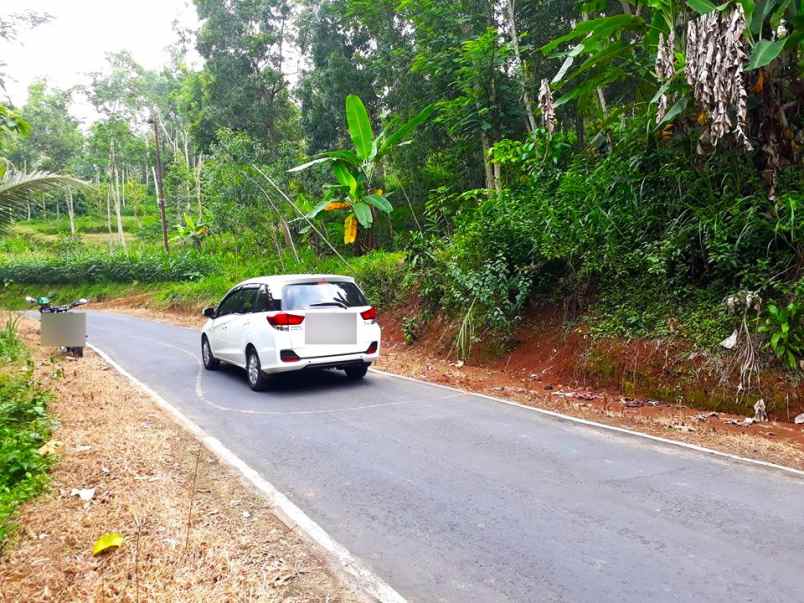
column 276, row 324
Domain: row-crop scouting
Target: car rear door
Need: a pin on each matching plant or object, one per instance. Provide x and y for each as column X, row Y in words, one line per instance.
column 333, row 323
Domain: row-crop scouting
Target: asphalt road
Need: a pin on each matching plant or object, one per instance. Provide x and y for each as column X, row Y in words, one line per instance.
column 454, row 497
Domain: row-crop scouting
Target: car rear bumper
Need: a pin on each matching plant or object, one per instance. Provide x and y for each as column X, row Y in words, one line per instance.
column 321, row 362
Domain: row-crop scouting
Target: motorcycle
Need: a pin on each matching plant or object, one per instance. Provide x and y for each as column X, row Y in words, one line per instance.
column 47, row 307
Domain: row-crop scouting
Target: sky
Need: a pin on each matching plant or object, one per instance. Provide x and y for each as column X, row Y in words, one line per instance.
column 76, row 41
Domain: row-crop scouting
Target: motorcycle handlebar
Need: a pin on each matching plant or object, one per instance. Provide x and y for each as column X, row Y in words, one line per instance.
column 64, row 308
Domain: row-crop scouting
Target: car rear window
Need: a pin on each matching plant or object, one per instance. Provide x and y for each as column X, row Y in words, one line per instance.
column 301, row 296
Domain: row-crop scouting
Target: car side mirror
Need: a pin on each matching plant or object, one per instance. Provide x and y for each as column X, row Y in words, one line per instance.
column 209, row 312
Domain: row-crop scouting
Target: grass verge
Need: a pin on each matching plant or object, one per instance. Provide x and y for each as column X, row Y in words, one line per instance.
column 24, row 428
column 192, row 531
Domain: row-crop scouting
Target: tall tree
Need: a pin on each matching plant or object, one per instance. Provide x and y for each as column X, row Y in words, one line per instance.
column 336, row 47
column 56, row 141
column 245, row 45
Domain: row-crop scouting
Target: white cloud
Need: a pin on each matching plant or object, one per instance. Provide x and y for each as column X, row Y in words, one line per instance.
column 76, row 41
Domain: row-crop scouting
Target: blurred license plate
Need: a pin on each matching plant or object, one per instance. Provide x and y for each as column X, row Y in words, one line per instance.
column 68, row 329
column 327, row 329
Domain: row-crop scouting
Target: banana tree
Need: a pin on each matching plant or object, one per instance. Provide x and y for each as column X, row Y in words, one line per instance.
column 192, row 231
column 354, row 169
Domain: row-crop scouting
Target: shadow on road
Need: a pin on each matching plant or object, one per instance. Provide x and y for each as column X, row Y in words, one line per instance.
column 310, row 381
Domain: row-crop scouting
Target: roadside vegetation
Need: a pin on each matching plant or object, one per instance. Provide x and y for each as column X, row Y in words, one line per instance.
column 177, row 524
column 24, row 428
column 476, row 162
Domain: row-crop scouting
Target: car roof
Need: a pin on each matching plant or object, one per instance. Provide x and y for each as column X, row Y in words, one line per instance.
column 280, row 280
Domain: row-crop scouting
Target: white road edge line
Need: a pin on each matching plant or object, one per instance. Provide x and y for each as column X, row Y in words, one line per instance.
column 357, row 574
column 571, row 419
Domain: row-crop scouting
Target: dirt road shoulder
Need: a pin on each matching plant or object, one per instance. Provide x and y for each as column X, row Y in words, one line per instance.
column 192, row 529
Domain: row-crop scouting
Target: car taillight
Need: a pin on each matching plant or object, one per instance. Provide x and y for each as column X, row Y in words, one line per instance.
column 372, row 348
column 289, row 356
column 370, row 314
column 284, row 319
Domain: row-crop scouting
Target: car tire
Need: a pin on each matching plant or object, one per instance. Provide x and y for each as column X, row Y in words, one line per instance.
column 210, row 362
column 356, row 372
column 257, row 380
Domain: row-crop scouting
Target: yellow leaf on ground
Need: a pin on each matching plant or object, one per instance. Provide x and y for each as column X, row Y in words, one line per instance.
column 51, row 447
column 349, row 230
column 336, row 205
column 110, row 540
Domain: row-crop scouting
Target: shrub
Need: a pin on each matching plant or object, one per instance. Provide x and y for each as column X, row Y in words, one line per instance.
column 100, row 266
column 381, row 276
column 24, row 428
column 784, row 326
column 654, row 231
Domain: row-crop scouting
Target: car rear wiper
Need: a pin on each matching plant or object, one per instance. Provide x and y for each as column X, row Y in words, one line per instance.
column 338, row 304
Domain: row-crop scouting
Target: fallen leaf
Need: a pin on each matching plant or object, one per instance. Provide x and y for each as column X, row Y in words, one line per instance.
column 50, row 447
column 85, row 494
column 110, row 540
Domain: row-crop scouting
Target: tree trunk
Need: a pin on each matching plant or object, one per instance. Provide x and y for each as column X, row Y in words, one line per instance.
column 146, row 170
column 497, row 178
column 288, row 236
column 160, row 191
column 117, row 203
column 601, row 97
column 199, row 164
column 156, row 195
column 484, row 139
column 71, row 210
column 523, row 76
column 278, row 249
column 579, row 129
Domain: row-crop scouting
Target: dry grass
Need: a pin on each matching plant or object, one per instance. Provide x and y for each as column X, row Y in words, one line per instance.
column 193, row 531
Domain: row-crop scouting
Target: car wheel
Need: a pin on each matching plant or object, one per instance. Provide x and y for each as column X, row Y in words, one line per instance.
column 356, row 372
column 210, row 362
column 257, row 380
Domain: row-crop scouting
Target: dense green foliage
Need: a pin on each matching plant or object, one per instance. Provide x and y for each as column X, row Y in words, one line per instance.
column 95, row 266
column 24, row 428
column 575, row 157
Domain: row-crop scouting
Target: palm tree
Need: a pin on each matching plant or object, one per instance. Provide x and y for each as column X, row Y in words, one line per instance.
column 17, row 187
